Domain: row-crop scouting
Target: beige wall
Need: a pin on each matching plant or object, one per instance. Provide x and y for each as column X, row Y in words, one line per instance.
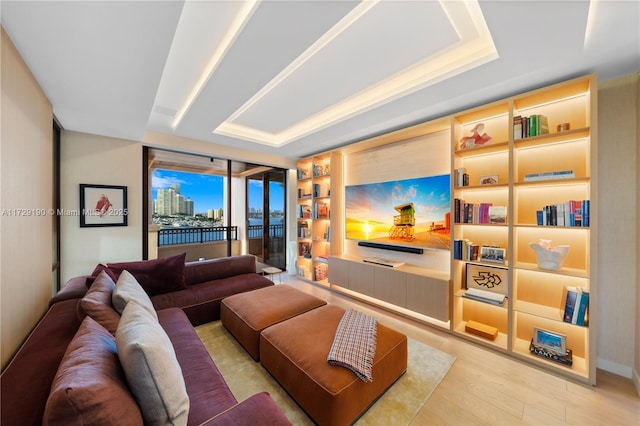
column 99, row 160
column 26, row 168
column 617, row 224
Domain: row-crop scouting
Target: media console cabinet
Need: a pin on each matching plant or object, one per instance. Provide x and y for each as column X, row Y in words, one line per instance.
column 417, row 289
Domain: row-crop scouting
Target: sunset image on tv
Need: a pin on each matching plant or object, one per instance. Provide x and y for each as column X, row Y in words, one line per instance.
column 413, row 212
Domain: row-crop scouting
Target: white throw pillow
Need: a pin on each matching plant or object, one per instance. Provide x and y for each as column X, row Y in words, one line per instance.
column 128, row 289
column 151, row 367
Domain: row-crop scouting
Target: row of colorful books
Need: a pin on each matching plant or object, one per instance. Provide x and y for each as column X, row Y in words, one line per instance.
column 576, row 307
column 534, row 125
column 569, row 213
column 465, row 250
column 483, row 213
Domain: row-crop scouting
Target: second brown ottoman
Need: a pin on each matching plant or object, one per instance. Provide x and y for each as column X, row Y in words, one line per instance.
column 295, row 353
column 245, row 315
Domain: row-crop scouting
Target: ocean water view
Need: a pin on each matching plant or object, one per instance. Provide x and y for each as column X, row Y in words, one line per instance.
column 170, row 235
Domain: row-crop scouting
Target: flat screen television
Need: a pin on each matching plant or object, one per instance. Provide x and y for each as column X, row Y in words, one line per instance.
column 409, row 212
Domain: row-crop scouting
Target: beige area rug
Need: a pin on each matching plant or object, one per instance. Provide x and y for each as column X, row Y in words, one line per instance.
column 398, row 406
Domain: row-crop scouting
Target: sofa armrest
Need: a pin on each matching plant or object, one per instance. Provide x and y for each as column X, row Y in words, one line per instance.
column 75, row 288
column 257, row 409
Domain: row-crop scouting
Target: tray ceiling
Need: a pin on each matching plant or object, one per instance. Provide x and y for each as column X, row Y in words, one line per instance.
column 291, row 78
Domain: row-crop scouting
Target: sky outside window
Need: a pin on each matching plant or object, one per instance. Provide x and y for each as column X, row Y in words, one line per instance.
column 207, row 191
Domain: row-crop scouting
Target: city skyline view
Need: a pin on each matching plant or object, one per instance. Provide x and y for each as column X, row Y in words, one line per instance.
column 207, row 191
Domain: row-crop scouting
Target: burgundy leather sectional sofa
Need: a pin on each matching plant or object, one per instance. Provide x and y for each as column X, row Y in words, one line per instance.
column 26, row 383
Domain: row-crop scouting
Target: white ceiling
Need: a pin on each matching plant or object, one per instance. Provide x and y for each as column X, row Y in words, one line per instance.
column 291, row 78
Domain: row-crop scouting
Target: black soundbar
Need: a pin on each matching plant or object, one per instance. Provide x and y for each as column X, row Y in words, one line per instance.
column 405, row 249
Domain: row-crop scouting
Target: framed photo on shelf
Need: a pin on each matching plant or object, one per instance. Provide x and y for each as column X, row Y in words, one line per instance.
column 489, row 180
column 551, row 341
column 103, row 205
column 492, row 254
column 304, row 249
column 487, row 278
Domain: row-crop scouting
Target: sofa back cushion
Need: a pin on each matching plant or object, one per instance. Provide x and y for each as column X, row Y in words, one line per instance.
column 127, row 289
column 215, row 269
column 90, row 387
column 157, row 276
column 151, row 367
column 97, row 304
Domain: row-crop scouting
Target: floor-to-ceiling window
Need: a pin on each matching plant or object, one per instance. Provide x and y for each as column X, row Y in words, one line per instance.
column 198, row 205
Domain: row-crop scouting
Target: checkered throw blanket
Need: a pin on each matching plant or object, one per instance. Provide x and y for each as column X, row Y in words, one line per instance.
column 354, row 345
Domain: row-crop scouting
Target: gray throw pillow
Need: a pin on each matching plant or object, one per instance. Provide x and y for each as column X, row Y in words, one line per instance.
column 128, row 289
column 151, row 367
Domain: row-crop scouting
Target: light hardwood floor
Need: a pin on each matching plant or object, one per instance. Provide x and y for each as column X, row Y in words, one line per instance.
column 484, row 387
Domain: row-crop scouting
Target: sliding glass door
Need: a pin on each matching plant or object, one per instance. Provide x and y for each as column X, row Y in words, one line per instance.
column 266, row 217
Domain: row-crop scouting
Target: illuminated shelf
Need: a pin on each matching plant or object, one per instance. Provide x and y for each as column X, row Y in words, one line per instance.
column 536, row 296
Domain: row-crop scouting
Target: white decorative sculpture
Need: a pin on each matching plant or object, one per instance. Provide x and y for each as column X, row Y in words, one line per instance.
column 549, row 257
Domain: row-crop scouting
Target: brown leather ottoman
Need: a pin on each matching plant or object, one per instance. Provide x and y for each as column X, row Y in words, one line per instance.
column 295, row 353
column 245, row 315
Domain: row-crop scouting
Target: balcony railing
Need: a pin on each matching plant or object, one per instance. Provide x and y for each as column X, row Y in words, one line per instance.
column 170, row 236
column 255, row 231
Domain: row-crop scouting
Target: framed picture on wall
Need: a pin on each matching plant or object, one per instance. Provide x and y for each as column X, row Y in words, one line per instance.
column 103, row 205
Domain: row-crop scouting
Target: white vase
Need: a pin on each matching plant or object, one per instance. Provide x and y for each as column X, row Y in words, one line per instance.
column 550, row 258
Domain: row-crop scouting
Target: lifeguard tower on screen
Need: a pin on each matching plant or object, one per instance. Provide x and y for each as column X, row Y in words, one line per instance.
column 403, row 223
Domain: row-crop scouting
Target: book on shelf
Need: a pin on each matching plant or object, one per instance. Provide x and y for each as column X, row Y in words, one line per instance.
column 321, row 190
column 534, row 125
column 517, row 127
column 302, row 194
column 576, row 305
column 462, row 178
column 465, row 250
column 321, row 259
column 303, row 229
column 570, row 304
column 482, row 213
column 572, row 213
column 560, row 174
column 583, row 308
